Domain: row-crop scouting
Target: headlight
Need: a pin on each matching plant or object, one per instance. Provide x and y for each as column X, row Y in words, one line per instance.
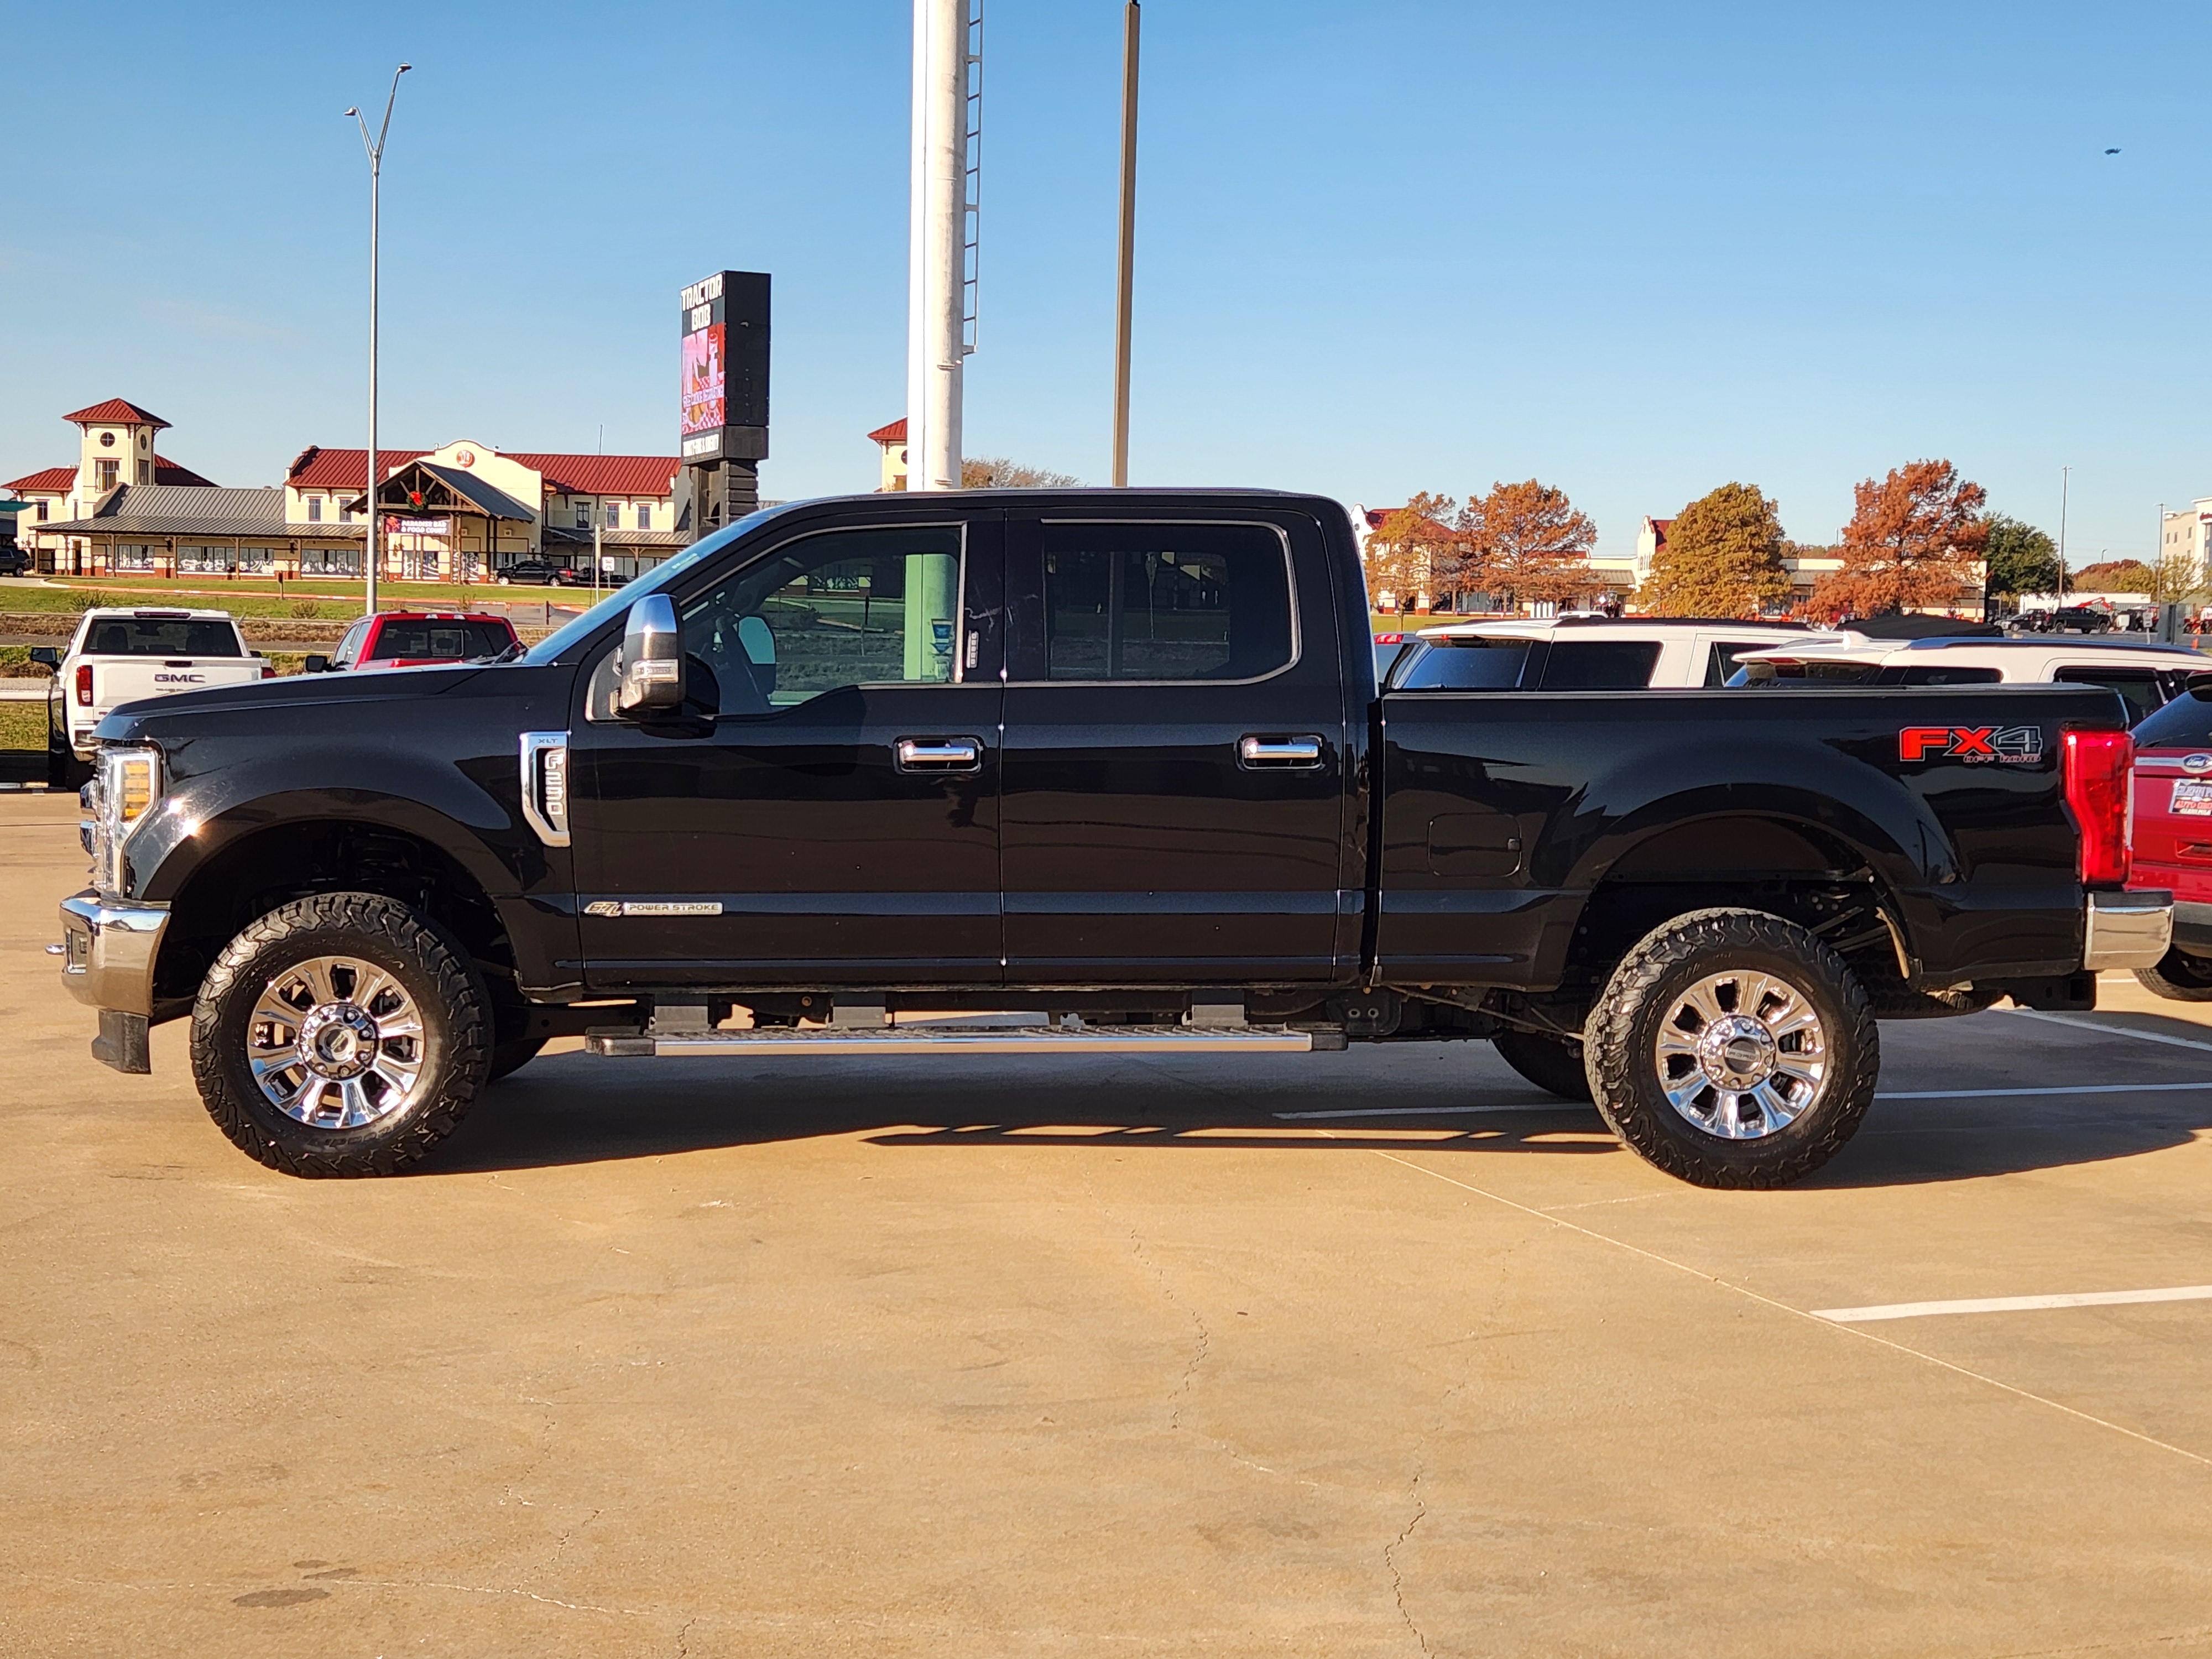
column 129, row 787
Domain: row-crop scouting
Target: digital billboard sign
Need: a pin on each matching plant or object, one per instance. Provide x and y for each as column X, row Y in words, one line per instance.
column 723, row 410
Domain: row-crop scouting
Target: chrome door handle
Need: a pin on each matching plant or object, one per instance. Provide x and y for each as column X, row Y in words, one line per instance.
column 938, row 754
column 1299, row 751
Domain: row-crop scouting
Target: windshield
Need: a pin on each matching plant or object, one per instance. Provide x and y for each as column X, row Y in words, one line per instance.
column 573, row 633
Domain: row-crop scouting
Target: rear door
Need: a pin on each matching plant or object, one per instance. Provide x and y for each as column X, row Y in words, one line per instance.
column 1176, row 807
column 826, row 811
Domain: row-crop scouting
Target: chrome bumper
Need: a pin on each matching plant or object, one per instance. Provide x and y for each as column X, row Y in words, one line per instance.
column 109, row 950
column 2125, row 930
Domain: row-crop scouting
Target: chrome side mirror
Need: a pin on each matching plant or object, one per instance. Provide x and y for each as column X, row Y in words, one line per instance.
column 651, row 658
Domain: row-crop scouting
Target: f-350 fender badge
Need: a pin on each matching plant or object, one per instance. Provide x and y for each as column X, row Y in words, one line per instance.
column 633, row 908
column 1975, row 746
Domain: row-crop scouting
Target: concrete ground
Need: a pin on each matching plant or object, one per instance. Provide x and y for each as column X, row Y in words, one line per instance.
column 1021, row 1356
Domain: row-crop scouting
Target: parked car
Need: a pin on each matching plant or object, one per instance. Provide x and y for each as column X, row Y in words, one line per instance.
column 2147, row 675
column 2172, row 836
column 1117, row 757
column 118, row 656
column 14, row 561
column 1590, row 654
column 416, row 639
column 2066, row 619
column 542, row 573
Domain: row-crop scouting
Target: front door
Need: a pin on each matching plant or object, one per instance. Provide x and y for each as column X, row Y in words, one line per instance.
column 1175, row 804
column 824, row 810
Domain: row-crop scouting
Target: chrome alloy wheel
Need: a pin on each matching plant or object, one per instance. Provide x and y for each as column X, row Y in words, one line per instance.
column 335, row 1042
column 1742, row 1054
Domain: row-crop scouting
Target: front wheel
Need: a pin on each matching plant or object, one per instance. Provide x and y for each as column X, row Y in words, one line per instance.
column 2178, row 977
column 1733, row 1048
column 341, row 1035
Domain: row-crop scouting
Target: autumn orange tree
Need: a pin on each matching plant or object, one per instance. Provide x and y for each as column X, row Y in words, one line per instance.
column 1723, row 557
column 1522, row 542
column 1405, row 551
column 1915, row 539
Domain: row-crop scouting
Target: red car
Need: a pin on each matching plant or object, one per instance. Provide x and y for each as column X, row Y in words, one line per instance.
column 2172, row 840
column 416, row 639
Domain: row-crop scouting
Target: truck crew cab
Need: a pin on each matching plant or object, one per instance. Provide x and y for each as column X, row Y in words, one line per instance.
column 1119, row 756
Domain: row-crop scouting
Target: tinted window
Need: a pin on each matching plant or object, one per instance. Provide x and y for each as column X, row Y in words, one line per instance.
column 162, row 636
column 2185, row 723
column 1465, row 666
column 1952, row 674
column 823, row 613
column 443, row 641
column 1601, row 664
column 2137, row 687
column 1165, row 602
column 1808, row 674
column 1721, row 662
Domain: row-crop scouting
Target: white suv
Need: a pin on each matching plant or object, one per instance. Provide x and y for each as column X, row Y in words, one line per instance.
column 1590, row 654
column 2148, row 676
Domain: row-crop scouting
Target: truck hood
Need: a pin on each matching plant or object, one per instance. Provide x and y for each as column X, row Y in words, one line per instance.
column 284, row 699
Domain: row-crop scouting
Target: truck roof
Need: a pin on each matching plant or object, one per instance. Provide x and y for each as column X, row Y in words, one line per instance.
column 160, row 613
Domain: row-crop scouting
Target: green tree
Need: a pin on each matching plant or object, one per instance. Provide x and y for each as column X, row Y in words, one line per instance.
column 1723, row 557
column 2021, row 559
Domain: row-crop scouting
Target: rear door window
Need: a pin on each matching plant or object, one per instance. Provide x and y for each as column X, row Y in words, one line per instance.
column 2138, row 687
column 1600, row 665
column 1166, row 602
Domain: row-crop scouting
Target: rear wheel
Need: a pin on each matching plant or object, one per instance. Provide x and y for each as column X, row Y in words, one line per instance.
column 341, row 1035
column 1733, row 1048
column 2178, row 977
column 1552, row 1064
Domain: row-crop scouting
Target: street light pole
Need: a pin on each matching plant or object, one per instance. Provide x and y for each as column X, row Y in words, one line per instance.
column 2065, row 478
column 375, row 148
column 1124, row 294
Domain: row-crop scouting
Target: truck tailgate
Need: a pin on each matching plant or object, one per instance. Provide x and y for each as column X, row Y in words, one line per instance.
column 118, row 680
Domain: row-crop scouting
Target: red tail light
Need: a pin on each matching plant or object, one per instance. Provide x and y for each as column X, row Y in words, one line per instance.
column 2098, row 768
column 84, row 685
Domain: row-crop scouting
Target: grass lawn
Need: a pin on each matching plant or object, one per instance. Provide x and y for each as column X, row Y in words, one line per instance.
column 23, row 725
column 258, row 596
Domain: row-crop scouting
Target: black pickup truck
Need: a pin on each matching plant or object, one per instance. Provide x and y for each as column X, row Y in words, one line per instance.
column 1118, row 758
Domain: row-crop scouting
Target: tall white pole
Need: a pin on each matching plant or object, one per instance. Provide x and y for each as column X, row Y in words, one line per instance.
column 935, row 254
column 917, row 262
column 375, row 148
column 1126, row 263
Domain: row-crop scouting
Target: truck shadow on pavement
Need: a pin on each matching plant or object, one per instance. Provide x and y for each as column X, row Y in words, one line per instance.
column 568, row 1108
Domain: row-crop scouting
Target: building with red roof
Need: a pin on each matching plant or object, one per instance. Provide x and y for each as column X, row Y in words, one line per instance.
column 891, row 441
column 115, row 450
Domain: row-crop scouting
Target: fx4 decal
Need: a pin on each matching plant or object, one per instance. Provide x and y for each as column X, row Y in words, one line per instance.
column 2013, row 745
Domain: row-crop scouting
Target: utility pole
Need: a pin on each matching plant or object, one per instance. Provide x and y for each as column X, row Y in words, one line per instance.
column 2065, row 478
column 1124, row 291
column 936, row 247
column 375, row 148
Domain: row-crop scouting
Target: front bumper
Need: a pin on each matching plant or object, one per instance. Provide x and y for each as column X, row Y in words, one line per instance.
column 2126, row 930
column 109, row 949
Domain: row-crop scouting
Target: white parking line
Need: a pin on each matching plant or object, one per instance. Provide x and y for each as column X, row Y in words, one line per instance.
column 1440, row 1111
column 2112, row 1030
column 2074, row 1088
column 2012, row 1303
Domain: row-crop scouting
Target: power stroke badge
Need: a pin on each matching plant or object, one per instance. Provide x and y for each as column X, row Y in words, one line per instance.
column 633, row 908
column 1975, row 746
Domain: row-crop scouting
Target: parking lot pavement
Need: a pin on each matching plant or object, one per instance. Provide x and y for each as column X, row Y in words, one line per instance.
column 1147, row 1358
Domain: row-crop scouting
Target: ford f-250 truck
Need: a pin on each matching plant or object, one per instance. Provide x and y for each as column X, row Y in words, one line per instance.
column 1118, row 757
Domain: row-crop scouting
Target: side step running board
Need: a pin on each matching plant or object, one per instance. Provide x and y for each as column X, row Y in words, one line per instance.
column 921, row 1039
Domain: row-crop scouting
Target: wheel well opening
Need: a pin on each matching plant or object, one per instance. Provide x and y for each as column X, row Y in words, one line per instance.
column 258, row 872
column 1794, row 870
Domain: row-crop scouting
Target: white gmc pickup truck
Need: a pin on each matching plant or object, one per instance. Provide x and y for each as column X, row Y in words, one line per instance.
column 122, row 656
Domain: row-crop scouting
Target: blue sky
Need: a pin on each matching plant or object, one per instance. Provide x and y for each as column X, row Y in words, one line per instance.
column 1636, row 251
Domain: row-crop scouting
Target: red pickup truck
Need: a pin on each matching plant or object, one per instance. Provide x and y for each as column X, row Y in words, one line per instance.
column 2172, row 836
column 415, row 639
